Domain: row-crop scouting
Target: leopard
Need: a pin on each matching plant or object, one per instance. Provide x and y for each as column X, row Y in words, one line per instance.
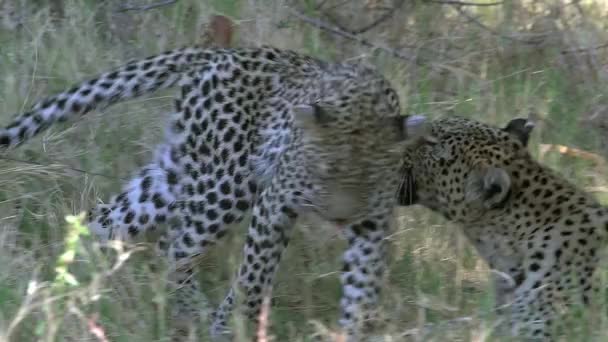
column 539, row 233
column 258, row 133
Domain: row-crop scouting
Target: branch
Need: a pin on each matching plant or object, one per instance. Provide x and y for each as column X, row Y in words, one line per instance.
column 489, row 29
column 389, row 13
column 588, row 49
column 573, row 152
column 337, row 31
column 320, row 4
column 263, row 320
column 219, row 32
column 146, row 7
column 464, row 3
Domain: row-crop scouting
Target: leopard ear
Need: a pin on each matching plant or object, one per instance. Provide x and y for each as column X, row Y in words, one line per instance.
column 520, row 128
column 310, row 115
column 487, row 187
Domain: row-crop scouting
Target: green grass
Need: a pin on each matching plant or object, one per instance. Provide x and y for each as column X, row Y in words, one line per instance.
column 435, row 276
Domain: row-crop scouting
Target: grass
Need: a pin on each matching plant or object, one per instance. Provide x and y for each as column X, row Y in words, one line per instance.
column 435, row 276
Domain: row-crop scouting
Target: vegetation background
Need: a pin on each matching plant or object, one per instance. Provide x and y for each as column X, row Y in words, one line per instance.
column 484, row 59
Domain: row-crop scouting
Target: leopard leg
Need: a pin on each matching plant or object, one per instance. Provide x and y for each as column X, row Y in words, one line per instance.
column 146, row 202
column 363, row 274
column 206, row 218
column 267, row 237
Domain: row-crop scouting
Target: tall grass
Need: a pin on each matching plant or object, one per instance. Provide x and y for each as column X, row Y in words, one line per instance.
column 437, row 284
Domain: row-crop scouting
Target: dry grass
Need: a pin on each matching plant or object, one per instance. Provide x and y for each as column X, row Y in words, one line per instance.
column 490, row 63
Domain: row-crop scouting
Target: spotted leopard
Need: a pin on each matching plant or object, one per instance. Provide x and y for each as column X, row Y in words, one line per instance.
column 259, row 130
column 540, row 233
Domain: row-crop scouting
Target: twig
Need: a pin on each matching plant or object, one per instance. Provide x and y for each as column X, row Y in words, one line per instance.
column 434, row 327
column 489, row 29
column 588, row 49
column 335, row 30
column 320, row 4
column 219, row 32
column 263, row 321
column 389, row 13
column 96, row 329
column 336, row 5
column 464, row 3
column 597, row 189
column 573, row 152
column 146, row 7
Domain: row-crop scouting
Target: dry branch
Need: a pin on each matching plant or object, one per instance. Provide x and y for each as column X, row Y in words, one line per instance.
column 340, row 32
column 219, row 32
column 465, row 3
column 263, row 319
column 603, row 189
column 587, row 49
column 572, row 152
column 481, row 25
column 387, row 15
column 147, row 7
